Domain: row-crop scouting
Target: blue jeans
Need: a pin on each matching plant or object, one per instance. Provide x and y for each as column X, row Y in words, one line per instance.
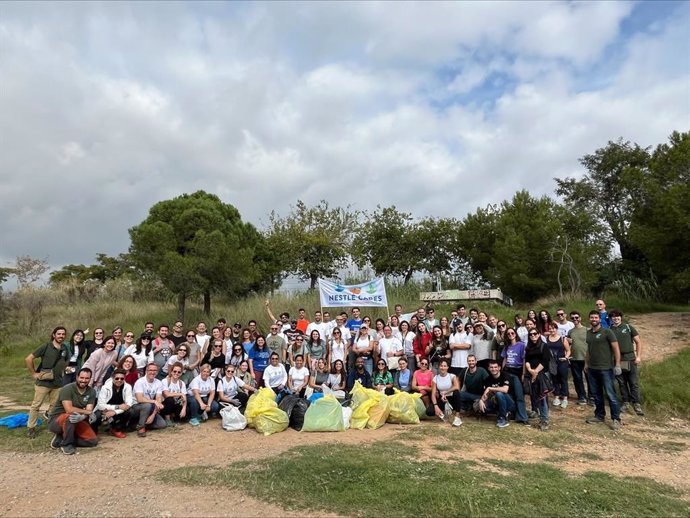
column 601, row 381
column 577, row 368
column 504, row 404
column 560, row 380
column 195, row 409
column 520, row 409
column 467, row 399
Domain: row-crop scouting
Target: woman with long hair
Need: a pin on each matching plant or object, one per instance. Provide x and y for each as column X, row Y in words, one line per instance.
column 316, row 349
column 96, row 343
column 444, row 323
column 236, row 355
column 77, row 351
column 513, row 354
column 232, row 390
column 407, row 337
column 215, row 358
column 559, row 348
column 339, row 348
column 337, row 379
column 544, row 322
column 421, row 342
column 142, row 352
column 445, row 390
column 382, row 380
column 258, row 359
column 437, row 348
column 482, row 338
column 128, row 364
column 537, row 357
column 247, row 340
column 181, row 357
column 319, row 376
column 100, row 362
column 174, row 394
column 395, row 326
column 242, row 372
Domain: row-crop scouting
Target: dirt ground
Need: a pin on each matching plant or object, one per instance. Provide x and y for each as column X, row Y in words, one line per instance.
column 117, row 477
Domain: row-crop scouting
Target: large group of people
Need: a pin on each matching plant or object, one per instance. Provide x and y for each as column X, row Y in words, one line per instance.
column 465, row 362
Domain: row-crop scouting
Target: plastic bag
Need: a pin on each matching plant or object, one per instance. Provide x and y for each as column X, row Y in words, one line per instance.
column 347, row 415
column 360, row 415
column 378, row 412
column 359, row 395
column 17, row 420
column 271, row 420
column 315, row 397
column 403, row 408
column 324, row 415
column 420, row 408
column 295, row 407
column 233, row 420
column 259, row 402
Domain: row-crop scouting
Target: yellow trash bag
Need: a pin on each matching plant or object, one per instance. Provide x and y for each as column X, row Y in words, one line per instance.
column 271, row 420
column 360, row 415
column 378, row 412
column 260, row 401
column 324, row 415
column 403, row 408
column 359, row 395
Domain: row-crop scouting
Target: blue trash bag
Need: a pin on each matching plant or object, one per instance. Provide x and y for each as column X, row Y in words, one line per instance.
column 16, row 420
column 315, row 396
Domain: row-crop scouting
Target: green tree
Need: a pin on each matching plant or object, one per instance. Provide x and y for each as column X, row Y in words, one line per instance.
column 314, row 241
column 611, row 190
column 195, row 243
column 661, row 224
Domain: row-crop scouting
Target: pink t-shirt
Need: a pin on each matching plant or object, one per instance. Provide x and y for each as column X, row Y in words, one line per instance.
column 423, row 379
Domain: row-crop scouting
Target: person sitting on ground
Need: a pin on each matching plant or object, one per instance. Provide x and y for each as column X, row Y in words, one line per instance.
column 69, row 416
column 337, row 379
column 445, row 390
column 319, row 376
column 242, row 372
column 115, row 400
column 472, row 383
column 236, row 355
column 129, row 365
column 275, row 376
column 403, row 376
column 421, row 381
column 631, row 355
column 359, row 373
column 215, row 358
column 496, row 397
column 201, row 396
column 297, row 347
column 174, row 394
column 232, row 390
column 148, row 393
column 181, row 356
column 298, row 377
column 382, row 380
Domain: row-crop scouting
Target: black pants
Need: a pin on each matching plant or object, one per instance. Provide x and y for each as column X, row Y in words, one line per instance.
column 118, row 422
column 172, row 406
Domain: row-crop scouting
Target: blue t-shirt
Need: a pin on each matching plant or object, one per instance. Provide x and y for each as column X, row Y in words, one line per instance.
column 604, row 315
column 353, row 325
column 260, row 358
column 248, row 347
column 514, row 355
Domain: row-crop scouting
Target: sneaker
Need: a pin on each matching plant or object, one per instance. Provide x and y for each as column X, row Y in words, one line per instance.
column 594, row 420
column 141, row 432
column 502, row 423
column 533, row 414
column 56, row 441
column 524, row 423
column 31, row 433
column 624, row 408
column 582, row 402
column 556, row 401
column 68, row 449
column 117, row 433
column 543, row 426
column 457, row 421
column 194, row 421
column 564, row 404
column 169, row 423
column 204, row 416
column 638, row 409
column 616, row 425
column 590, row 402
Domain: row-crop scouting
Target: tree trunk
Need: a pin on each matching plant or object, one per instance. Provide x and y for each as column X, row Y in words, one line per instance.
column 207, row 302
column 313, row 278
column 408, row 276
column 181, row 301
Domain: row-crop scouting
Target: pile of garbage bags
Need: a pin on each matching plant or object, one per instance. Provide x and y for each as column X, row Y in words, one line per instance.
column 366, row 408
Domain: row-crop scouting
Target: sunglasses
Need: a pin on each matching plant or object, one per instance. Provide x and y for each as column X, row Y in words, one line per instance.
column 560, row 314
column 119, row 378
column 177, row 371
column 217, row 346
column 380, row 363
column 191, row 336
column 423, row 363
column 129, row 336
column 534, row 334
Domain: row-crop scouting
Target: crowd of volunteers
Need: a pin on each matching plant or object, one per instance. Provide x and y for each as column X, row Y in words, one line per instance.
column 467, row 362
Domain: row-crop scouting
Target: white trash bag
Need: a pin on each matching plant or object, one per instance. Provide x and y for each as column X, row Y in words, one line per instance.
column 233, row 420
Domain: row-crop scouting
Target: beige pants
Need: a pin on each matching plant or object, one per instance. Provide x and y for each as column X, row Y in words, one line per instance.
column 40, row 395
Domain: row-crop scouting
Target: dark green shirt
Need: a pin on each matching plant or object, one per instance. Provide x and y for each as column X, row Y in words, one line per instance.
column 599, row 348
column 624, row 335
column 578, row 343
column 57, row 359
column 70, row 392
column 474, row 383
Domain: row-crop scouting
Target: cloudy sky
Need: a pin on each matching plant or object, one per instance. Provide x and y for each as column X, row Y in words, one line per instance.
column 437, row 108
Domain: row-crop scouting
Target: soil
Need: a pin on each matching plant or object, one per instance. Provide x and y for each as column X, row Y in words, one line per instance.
column 113, row 480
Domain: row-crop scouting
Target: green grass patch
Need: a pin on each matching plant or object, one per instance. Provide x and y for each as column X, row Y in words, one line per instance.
column 665, row 384
column 375, row 480
column 16, row 439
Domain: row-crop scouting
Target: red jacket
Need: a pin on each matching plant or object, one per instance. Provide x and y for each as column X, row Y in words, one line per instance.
column 420, row 348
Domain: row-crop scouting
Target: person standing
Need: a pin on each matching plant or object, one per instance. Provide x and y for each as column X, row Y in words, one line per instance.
column 177, row 336
column 578, row 351
column 54, row 356
column 631, row 356
column 564, row 325
column 602, row 363
column 603, row 314
column 71, row 413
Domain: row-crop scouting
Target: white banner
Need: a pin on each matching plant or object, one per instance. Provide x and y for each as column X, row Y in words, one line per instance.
column 372, row 293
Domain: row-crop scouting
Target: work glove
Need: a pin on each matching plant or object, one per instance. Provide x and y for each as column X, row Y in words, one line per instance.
column 75, row 418
column 92, row 417
column 617, row 371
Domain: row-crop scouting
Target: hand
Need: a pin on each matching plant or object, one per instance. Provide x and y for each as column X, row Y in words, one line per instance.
column 124, row 407
column 76, row 418
column 438, row 410
column 35, row 375
column 86, row 331
column 92, row 417
column 109, row 413
column 637, row 361
column 183, row 412
column 159, row 406
column 267, row 302
column 617, row 371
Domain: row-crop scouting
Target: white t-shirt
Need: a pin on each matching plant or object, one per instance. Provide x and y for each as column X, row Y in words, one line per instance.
column 334, row 380
column 173, row 359
column 176, row 387
column 459, row 357
column 202, row 339
column 338, row 350
column 407, row 343
column 444, row 382
column 321, row 327
column 203, row 386
column 299, row 376
column 231, row 386
column 389, row 345
column 362, row 343
column 149, row 389
column 563, row 329
column 142, row 359
column 345, row 333
column 275, row 376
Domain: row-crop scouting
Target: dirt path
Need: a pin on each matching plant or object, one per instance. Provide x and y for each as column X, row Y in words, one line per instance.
column 108, row 480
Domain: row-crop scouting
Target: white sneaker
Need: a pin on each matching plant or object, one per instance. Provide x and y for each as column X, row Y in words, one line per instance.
column 457, row 421
column 556, row 401
column 564, row 404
